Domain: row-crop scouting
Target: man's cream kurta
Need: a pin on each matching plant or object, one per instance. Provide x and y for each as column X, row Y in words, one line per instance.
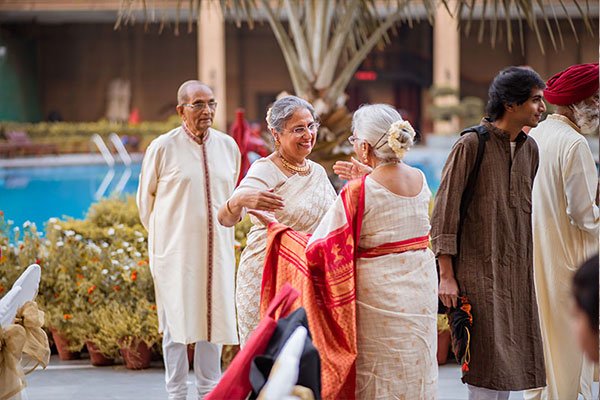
column 172, row 201
column 565, row 234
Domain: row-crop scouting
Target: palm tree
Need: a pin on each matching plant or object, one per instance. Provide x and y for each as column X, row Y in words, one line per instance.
column 325, row 41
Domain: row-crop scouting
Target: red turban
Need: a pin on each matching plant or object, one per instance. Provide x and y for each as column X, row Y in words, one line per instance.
column 574, row 84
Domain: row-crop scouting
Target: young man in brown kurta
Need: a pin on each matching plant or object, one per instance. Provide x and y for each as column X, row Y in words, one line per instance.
column 491, row 262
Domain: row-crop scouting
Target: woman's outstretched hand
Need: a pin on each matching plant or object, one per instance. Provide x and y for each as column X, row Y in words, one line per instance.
column 353, row 169
column 264, row 217
column 262, row 200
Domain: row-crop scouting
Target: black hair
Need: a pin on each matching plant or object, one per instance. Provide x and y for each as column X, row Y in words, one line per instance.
column 585, row 290
column 512, row 85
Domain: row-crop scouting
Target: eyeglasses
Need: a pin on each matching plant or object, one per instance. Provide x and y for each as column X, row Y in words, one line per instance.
column 352, row 139
column 201, row 105
column 311, row 128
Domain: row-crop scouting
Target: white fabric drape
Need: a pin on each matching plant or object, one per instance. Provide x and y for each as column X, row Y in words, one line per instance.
column 565, row 234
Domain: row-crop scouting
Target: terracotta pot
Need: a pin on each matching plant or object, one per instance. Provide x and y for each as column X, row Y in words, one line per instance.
column 443, row 347
column 137, row 356
column 96, row 357
column 62, row 346
column 190, row 354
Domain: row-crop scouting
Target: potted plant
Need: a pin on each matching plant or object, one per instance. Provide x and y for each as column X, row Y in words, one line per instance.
column 134, row 329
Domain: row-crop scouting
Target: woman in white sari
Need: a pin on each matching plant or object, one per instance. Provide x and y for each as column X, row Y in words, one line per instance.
column 371, row 295
column 296, row 189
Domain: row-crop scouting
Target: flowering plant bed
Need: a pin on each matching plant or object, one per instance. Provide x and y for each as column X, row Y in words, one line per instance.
column 96, row 284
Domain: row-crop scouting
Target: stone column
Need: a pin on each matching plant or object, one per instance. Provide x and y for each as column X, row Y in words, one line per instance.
column 211, row 56
column 446, row 64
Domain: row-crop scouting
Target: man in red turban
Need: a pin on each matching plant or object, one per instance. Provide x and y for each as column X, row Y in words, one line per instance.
column 565, row 223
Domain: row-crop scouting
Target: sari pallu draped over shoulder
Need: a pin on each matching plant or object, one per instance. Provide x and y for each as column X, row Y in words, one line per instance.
column 322, row 268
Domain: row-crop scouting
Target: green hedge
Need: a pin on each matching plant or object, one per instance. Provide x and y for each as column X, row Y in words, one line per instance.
column 74, row 137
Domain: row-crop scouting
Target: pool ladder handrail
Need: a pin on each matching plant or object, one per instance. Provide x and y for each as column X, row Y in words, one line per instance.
column 116, row 141
column 108, row 157
column 106, row 153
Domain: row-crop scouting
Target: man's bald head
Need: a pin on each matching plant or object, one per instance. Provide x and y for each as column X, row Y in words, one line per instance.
column 188, row 88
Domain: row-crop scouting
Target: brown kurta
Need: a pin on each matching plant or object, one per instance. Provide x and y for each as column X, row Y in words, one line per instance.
column 494, row 267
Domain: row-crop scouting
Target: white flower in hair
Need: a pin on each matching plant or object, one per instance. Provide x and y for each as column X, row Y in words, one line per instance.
column 398, row 142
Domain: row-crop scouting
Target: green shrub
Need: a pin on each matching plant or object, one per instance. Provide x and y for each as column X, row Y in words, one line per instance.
column 96, row 283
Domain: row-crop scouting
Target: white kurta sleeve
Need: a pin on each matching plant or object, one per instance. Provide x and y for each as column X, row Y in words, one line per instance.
column 580, row 180
column 149, row 175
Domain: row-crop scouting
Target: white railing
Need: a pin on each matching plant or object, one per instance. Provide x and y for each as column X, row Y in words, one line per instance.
column 108, row 157
column 116, row 141
column 110, row 161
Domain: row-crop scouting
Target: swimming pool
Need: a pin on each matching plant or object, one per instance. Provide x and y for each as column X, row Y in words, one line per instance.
column 37, row 194
column 40, row 193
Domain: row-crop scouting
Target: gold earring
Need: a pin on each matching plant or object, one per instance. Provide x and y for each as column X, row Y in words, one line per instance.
column 277, row 144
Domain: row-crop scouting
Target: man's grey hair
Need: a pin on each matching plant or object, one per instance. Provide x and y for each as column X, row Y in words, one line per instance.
column 283, row 109
column 586, row 115
column 372, row 122
column 183, row 94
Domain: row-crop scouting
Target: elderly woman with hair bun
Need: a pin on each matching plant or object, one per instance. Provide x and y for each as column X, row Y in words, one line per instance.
column 376, row 234
column 286, row 183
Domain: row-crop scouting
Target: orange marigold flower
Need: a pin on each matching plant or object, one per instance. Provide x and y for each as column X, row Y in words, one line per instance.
column 1, row 288
column 79, row 276
column 68, row 317
column 153, row 307
column 134, row 275
column 117, row 288
column 91, row 289
column 141, row 263
column 21, row 247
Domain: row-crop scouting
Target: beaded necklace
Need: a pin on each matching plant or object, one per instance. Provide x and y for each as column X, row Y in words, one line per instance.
column 302, row 171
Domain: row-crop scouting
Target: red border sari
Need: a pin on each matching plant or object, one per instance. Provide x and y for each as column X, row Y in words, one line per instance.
column 322, row 269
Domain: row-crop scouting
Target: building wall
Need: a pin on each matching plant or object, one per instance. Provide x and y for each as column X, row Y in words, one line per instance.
column 480, row 61
column 19, row 92
column 256, row 71
column 73, row 65
column 78, row 61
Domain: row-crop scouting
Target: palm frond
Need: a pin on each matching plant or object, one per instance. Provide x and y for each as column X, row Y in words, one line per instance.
column 324, row 41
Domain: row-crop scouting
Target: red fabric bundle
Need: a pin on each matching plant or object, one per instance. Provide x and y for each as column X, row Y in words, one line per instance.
column 235, row 383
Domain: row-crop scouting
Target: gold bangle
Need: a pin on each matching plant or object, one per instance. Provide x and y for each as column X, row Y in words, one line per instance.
column 228, row 209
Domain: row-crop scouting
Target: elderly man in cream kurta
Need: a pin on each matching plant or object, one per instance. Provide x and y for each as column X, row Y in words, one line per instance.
column 565, row 224
column 187, row 174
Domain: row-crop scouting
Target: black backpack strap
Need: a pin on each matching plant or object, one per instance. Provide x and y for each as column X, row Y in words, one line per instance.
column 469, row 190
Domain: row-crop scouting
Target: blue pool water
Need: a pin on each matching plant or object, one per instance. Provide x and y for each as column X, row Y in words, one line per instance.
column 38, row 194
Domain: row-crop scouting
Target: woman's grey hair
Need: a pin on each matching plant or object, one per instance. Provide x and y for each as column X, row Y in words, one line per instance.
column 283, row 109
column 374, row 123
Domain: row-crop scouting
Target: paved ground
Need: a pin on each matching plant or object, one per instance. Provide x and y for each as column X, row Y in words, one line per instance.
column 78, row 380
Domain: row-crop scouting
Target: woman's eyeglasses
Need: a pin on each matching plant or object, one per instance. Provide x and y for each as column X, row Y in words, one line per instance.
column 312, row 129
